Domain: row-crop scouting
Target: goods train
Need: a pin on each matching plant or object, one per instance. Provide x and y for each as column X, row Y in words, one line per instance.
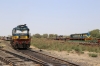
column 81, row 36
column 21, row 37
column 58, row 37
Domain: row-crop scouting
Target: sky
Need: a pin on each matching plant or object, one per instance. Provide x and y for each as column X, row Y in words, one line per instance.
column 62, row 17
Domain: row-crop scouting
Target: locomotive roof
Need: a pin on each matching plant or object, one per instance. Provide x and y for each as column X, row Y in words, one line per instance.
column 21, row 27
column 81, row 34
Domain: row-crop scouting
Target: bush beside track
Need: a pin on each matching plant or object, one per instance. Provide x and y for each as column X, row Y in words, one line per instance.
column 43, row 43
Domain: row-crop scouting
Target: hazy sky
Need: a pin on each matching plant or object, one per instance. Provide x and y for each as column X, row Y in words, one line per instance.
column 62, row 17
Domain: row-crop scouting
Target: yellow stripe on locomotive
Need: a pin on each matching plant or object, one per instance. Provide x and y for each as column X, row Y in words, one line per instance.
column 23, row 37
column 87, row 36
column 15, row 37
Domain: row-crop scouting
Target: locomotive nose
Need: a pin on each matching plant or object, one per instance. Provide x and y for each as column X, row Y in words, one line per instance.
column 20, row 34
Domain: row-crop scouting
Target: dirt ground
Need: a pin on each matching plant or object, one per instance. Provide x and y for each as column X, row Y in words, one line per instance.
column 80, row 59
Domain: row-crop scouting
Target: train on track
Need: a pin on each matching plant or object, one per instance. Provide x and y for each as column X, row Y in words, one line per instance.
column 21, row 37
column 81, row 36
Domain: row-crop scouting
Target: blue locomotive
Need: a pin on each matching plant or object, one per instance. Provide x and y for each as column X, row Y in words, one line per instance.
column 82, row 36
column 21, row 37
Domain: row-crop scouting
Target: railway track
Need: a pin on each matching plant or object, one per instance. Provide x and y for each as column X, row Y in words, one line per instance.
column 22, row 56
column 89, row 44
column 14, row 59
column 39, row 58
column 52, row 61
column 86, row 43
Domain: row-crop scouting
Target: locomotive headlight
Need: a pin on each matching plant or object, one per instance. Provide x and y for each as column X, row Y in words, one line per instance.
column 15, row 37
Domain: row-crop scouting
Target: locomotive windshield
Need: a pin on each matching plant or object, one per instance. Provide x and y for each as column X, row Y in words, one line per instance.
column 21, row 29
column 18, row 31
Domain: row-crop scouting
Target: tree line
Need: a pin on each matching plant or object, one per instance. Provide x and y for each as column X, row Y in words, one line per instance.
column 37, row 35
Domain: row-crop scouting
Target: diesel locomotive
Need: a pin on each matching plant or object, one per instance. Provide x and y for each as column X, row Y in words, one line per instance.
column 82, row 36
column 21, row 37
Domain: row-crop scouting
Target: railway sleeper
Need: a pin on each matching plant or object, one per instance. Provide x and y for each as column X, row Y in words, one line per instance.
column 48, row 59
column 19, row 60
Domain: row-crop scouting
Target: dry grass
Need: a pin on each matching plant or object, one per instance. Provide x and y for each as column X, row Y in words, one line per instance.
column 43, row 43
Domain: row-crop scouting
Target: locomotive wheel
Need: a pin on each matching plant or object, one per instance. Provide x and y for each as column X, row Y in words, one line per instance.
column 15, row 46
column 26, row 46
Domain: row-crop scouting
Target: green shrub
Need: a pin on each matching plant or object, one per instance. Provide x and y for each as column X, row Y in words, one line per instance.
column 82, row 52
column 93, row 55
